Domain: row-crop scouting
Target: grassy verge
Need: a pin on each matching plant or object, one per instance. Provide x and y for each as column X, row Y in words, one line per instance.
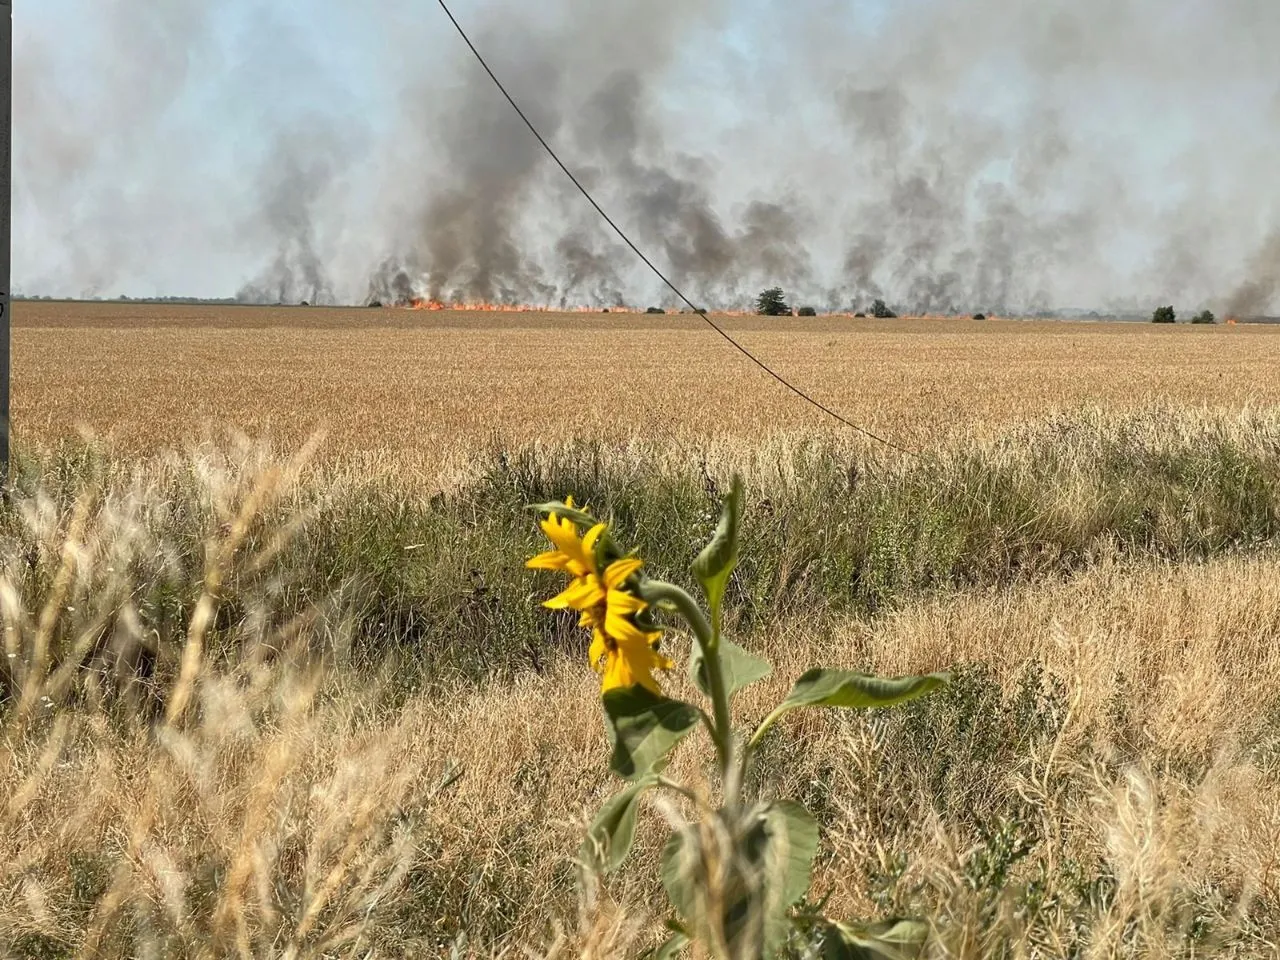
column 248, row 708
column 435, row 576
column 1102, row 779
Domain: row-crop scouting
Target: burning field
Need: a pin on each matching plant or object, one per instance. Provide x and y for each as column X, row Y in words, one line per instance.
column 423, row 385
column 306, row 653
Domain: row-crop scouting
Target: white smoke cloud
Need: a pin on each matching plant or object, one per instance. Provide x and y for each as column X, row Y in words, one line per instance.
column 943, row 154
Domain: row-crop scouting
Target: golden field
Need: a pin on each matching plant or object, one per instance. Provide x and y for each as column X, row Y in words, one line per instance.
column 262, row 709
column 423, row 385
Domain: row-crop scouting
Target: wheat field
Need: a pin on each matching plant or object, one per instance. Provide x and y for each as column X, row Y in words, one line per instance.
column 256, row 702
column 421, row 385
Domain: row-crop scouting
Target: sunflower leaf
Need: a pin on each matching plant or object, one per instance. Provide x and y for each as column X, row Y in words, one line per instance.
column 609, row 839
column 767, row 872
column 719, row 557
column 886, row 940
column 794, row 834
column 643, row 727
column 844, row 688
column 680, row 871
column 579, row 517
column 786, row 838
column 740, row 668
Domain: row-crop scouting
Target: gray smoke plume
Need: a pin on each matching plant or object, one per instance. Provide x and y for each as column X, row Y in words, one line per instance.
column 1258, row 293
column 292, row 187
column 943, row 155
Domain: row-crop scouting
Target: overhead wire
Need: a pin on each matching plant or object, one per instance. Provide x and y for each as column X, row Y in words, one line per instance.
column 649, row 263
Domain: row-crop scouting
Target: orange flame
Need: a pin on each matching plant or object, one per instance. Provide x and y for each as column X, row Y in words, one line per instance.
column 483, row 306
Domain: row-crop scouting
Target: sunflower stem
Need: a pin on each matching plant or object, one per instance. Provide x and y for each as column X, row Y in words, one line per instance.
column 720, row 707
column 708, row 637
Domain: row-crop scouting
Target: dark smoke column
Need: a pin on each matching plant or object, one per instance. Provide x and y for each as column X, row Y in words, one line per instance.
column 6, row 209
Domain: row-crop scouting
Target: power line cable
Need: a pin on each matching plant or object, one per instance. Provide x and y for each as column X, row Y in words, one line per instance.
column 649, row 263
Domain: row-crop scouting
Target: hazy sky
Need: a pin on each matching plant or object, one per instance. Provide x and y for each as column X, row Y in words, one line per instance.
column 939, row 153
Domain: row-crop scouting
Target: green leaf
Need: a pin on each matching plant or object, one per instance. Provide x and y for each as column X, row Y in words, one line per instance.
column 767, row 871
column 716, row 561
column 681, row 873
column 790, row 837
column 609, row 839
column 843, row 688
column 887, row 940
column 569, row 513
column 740, row 668
column 643, row 727
column 678, row 940
column 793, row 835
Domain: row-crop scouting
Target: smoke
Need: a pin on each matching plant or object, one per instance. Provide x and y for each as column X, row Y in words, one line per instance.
column 943, row 155
column 292, row 188
column 1258, row 292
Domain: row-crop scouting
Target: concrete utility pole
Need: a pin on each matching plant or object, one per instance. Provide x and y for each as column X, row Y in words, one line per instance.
column 6, row 211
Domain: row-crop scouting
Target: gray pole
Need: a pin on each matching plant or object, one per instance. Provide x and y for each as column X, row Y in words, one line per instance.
column 6, row 209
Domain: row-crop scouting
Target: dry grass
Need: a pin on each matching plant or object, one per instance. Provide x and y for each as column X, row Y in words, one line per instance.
column 193, row 763
column 420, row 387
column 280, row 823
column 1184, row 809
column 1124, row 800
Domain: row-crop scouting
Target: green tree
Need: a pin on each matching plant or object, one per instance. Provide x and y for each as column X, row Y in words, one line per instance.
column 772, row 303
column 1164, row 315
column 1205, row 317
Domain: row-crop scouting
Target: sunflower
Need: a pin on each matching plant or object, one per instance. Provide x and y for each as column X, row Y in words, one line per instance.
column 621, row 651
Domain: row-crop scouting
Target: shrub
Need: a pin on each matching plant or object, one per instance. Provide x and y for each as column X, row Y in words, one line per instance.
column 655, row 310
column 860, row 315
column 772, row 303
column 807, row 312
column 880, row 311
column 979, row 316
column 375, row 304
column 1204, row 317
column 1164, row 315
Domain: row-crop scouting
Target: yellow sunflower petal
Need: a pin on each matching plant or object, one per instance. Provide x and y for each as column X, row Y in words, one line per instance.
column 618, row 571
column 562, row 533
column 617, row 673
column 623, row 603
column 582, row 594
column 550, row 560
column 594, row 534
column 641, row 668
column 598, row 651
column 624, row 631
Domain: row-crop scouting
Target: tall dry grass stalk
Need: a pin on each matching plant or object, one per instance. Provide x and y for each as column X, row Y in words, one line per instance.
column 194, row 762
column 161, row 798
